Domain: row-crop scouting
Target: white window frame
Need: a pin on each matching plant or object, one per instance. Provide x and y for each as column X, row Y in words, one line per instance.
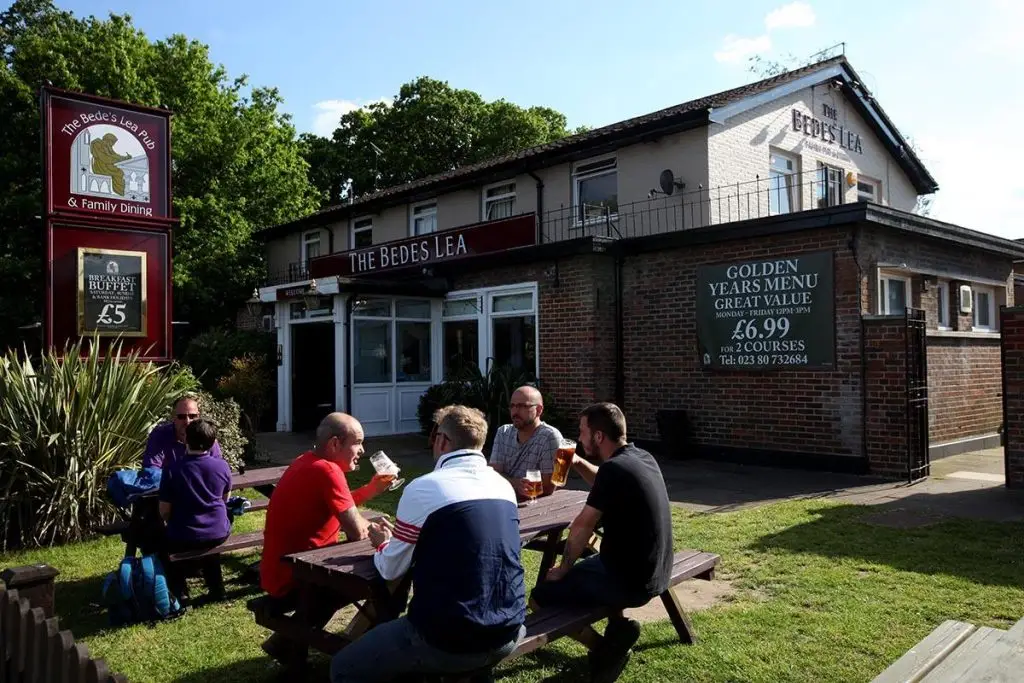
column 943, row 313
column 360, row 225
column 486, row 201
column 796, row 202
column 593, row 168
column 991, row 292
column 824, row 180
column 883, row 292
column 876, row 184
column 306, row 241
column 486, row 315
column 413, row 216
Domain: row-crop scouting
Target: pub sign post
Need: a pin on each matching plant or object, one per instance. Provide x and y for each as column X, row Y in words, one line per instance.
column 107, row 220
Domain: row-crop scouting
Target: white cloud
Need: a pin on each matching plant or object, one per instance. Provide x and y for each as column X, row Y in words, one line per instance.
column 736, row 49
column 793, row 15
column 328, row 112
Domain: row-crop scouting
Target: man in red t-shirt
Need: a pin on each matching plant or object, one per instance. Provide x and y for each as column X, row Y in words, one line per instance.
column 310, row 505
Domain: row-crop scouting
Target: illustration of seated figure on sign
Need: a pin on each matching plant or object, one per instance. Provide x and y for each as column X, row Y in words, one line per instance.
column 107, row 161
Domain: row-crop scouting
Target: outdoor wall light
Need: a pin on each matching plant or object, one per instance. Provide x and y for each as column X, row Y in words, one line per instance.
column 311, row 297
column 254, row 305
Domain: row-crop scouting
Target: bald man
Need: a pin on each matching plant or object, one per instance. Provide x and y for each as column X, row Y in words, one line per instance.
column 310, row 505
column 528, row 443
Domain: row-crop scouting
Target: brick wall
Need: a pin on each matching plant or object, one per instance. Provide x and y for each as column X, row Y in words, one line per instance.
column 964, row 388
column 885, row 373
column 576, row 323
column 1013, row 369
column 810, row 411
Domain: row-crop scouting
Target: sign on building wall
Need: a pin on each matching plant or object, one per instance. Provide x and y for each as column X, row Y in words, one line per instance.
column 111, row 292
column 426, row 250
column 771, row 313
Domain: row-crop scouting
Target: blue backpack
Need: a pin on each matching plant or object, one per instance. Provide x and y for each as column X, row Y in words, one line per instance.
column 137, row 593
column 124, row 485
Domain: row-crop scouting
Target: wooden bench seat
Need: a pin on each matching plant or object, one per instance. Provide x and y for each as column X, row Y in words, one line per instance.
column 234, row 542
column 112, row 529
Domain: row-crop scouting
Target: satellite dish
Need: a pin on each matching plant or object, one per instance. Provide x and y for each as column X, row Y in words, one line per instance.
column 667, row 181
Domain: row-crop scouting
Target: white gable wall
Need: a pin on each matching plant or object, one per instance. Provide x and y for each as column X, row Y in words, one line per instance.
column 739, row 150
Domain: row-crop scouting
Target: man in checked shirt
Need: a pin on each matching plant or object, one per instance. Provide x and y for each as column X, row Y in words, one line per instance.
column 528, row 443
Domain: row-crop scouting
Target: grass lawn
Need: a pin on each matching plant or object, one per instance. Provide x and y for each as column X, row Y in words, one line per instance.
column 821, row 596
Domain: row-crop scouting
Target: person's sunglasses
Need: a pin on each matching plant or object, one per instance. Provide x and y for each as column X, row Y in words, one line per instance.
column 188, row 416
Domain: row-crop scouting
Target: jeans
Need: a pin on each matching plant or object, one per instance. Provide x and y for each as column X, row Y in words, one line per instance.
column 588, row 584
column 394, row 648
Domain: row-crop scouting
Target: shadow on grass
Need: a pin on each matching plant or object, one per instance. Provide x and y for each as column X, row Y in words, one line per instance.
column 79, row 604
column 911, row 535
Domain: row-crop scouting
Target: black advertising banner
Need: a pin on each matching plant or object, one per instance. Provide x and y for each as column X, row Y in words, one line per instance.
column 767, row 314
column 111, row 292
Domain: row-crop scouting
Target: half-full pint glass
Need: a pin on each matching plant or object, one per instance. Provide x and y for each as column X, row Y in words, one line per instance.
column 563, row 461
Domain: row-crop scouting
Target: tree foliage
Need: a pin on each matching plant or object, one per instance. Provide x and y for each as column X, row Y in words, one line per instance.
column 237, row 165
column 429, row 127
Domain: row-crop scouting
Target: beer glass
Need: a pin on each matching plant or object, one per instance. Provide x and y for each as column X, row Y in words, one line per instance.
column 563, row 461
column 385, row 467
column 534, row 486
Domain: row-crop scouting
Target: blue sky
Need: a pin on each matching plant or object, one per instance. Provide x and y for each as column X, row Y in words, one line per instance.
column 945, row 71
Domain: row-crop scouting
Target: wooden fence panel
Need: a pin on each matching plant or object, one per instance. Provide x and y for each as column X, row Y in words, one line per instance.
column 33, row 649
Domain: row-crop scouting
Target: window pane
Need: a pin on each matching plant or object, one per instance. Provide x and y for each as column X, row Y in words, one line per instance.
column 942, row 301
column 513, row 302
column 501, row 208
column 508, row 188
column 896, row 303
column 460, row 307
column 781, row 195
column 515, row 342
column 416, row 308
column 982, row 317
column 312, row 249
column 372, row 344
column 372, row 307
column 461, row 346
column 413, row 352
column 362, row 238
column 425, row 225
column 598, row 192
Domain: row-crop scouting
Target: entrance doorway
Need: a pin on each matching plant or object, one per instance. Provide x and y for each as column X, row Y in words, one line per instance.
column 312, row 374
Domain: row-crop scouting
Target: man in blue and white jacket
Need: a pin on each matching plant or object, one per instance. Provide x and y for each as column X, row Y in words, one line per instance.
column 458, row 529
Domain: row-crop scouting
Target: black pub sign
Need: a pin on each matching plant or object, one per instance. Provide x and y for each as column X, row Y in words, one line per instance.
column 111, row 292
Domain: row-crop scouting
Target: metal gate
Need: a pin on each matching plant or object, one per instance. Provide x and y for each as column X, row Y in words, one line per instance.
column 918, row 462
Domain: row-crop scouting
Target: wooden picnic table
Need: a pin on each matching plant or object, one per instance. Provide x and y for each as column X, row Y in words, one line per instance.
column 348, row 572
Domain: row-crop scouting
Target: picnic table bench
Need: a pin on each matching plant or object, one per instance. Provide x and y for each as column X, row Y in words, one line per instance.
column 958, row 651
column 347, row 571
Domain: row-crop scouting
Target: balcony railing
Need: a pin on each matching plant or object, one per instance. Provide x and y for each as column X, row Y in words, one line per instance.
column 697, row 208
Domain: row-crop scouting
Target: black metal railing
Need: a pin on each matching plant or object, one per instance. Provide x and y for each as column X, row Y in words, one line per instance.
column 297, row 271
column 696, row 208
column 700, row 207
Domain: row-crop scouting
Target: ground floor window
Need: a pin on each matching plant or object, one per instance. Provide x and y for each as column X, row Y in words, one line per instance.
column 391, row 340
column 893, row 294
column 942, row 303
column 486, row 327
column 984, row 309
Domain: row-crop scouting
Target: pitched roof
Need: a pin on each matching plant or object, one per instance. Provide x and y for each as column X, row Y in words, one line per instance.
column 681, row 116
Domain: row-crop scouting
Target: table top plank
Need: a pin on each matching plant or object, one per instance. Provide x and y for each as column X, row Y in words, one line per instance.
column 258, row 477
column 355, row 559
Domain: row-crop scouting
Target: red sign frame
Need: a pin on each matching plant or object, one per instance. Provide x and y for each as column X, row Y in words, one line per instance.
column 105, row 159
column 108, row 216
column 423, row 251
column 64, row 240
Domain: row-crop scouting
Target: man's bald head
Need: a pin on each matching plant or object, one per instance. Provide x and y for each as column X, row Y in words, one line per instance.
column 339, row 438
column 526, row 407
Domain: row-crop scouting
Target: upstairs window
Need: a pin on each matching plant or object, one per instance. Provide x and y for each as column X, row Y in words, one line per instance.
column 829, row 186
column 499, row 201
column 362, row 233
column 784, row 183
column 596, row 187
column 310, row 245
column 424, row 219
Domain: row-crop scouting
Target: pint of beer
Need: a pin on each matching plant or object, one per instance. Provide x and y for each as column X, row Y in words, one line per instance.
column 563, row 461
column 534, row 486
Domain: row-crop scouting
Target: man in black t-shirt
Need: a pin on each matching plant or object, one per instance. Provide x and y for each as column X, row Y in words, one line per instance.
column 629, row 500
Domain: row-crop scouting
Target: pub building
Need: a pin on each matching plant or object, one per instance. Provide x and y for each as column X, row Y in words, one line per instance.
column 752, row 258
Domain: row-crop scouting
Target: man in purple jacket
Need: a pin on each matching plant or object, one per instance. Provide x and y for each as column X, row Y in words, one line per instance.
column 166, row 442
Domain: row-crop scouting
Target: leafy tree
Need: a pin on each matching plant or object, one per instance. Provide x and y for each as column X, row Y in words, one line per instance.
column 428, row 128
column 237, row 165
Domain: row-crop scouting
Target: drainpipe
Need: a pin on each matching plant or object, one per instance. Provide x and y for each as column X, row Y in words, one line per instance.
column 540, row 202
column 347, row 331
column 620, row 371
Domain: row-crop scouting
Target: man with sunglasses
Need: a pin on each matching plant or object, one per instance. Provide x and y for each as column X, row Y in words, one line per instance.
column 166, row 443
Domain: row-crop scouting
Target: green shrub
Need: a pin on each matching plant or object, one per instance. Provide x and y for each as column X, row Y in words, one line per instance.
column 252, row 386
column 66, row 424
column 227, row 414
column 489, row 393
column 210, row 354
